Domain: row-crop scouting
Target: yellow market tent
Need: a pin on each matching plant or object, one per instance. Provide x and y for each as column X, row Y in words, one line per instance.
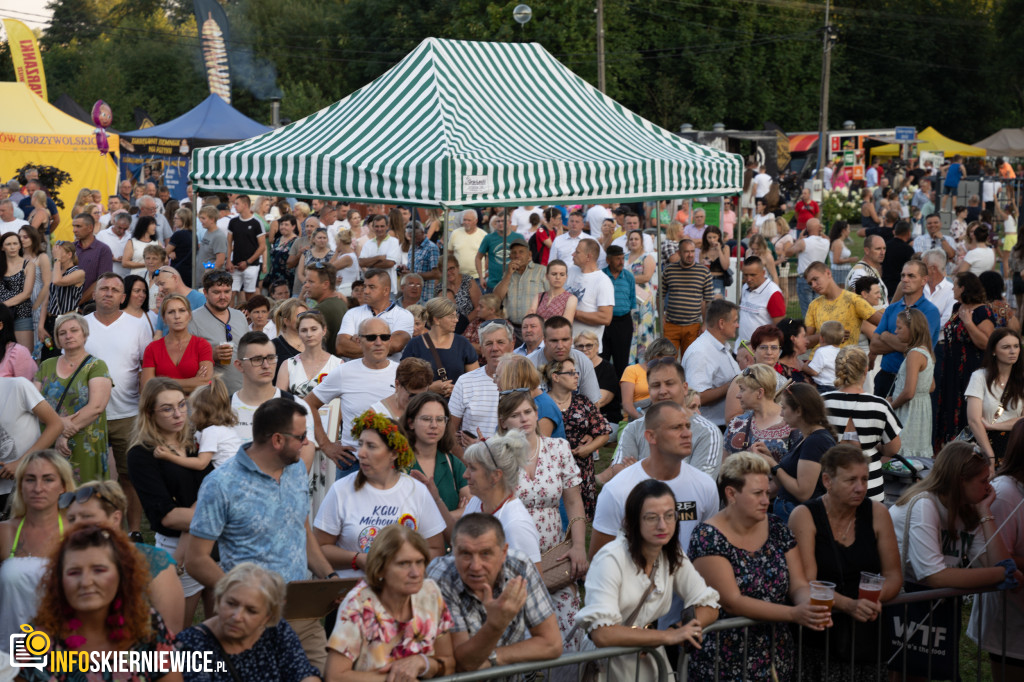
column 934, row 141
column 33, row 131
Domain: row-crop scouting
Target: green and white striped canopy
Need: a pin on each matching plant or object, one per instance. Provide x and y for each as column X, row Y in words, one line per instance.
column 460, row 123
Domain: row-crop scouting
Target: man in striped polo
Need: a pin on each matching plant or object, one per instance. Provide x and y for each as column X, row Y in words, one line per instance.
column 687, row 286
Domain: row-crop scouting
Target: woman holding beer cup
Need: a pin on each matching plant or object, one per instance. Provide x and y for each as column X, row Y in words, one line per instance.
column 846, row 539
column 750, row 557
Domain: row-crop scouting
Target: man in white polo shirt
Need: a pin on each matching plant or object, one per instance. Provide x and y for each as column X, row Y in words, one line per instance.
column 115, row 237
column 762, row 302
column 564, row 245
column 119, row 340
column 377, row 294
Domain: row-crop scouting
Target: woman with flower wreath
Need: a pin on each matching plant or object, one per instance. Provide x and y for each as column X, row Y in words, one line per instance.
column 380, row 494
column 394, row 622
column 94, row 600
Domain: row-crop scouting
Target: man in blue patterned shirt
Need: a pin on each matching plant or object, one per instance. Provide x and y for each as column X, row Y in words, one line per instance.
column 256, row 507
column 495, row 596
column 427, row 257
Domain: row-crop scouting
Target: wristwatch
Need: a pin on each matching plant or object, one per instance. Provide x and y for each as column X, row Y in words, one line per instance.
column 775, row 469
column 493, row 659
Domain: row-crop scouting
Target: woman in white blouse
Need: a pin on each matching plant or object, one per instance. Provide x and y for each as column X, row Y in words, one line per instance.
column 632, row 579
column 995, row 394
column 493, row 467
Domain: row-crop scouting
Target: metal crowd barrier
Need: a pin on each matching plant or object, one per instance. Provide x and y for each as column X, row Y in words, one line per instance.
column 923, row 629
column 570, row 664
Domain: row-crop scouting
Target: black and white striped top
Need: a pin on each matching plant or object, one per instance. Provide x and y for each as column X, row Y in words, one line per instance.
column 876, row 423
column 64, row 299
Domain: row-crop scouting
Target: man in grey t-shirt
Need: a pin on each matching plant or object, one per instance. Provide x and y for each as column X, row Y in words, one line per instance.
column 213, row 247
column 221, row 325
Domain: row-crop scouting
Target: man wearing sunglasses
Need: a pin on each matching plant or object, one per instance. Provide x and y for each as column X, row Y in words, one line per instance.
column 359, row 384
column 377, row 294
column 256, row 362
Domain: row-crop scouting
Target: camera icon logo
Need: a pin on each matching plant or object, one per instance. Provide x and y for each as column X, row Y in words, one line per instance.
column 29, row 648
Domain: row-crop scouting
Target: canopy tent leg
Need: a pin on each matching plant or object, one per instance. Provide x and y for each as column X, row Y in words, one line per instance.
column 444, row 250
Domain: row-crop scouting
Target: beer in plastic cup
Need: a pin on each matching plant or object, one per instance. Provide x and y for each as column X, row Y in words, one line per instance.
column 870, row 586
column 218, row 354
column 823, row 593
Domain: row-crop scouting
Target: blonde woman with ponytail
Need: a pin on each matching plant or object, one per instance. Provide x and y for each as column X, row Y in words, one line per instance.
column 911, row 394
column 863, row 417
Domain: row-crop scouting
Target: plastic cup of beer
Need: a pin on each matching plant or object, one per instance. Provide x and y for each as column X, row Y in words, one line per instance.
column 870, row 586
column 823, row 593
column 219, row 360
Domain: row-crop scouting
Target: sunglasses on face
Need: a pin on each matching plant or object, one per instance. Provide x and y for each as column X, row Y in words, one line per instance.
column 373, row 337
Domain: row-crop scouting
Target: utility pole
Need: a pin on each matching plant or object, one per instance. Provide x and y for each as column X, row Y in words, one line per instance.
column 600, row 45
column 828, row 39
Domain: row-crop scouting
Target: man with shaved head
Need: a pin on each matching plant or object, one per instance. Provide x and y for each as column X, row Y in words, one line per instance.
column 359, row 383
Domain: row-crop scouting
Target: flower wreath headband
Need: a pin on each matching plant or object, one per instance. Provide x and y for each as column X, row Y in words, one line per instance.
column 388, row 431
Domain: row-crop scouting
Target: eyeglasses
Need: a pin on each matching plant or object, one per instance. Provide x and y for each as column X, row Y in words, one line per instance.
column 668, row 517
column 432, row 420
column 567, row 372
column 373, row 337
column 302, row 438
column 489, row 452
column 770, row 349
column 321, row 265
column 227, row 332
column 514, row 390
column 82, row 496
column 748, row 372
column 62, row 242
column 261, row 360
column 168, row 410
column 585, row 346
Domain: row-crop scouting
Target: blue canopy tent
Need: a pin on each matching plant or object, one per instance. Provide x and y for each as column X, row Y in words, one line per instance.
column 168, row 146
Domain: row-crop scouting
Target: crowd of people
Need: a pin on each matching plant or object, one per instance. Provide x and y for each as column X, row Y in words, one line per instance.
column 328, row 404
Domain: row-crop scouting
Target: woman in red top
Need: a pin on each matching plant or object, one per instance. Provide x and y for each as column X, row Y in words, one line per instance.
column 178, row 355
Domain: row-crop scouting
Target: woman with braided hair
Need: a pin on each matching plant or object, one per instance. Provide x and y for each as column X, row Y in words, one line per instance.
column 381, row 493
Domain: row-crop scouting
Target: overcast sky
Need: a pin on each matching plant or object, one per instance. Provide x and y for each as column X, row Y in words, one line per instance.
column 31, row 12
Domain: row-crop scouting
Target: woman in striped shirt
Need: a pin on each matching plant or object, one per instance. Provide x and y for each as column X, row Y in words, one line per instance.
column 65, row 293
column 870, row 418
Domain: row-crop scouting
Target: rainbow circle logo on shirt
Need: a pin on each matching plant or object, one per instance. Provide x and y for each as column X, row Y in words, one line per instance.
column 407, row 520
column 320, row 377
column 366, row 537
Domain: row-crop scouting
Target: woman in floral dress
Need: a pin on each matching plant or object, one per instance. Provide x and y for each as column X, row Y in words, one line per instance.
column 642, row 266
column 287, row 233
column 77, row 386
column 373, row 636
column 750, row 557
column 550, row 475
column 300, row 375
column 585, row 428
column 958, row 353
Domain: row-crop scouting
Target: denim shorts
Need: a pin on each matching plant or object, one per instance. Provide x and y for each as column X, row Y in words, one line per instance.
column 23, row 324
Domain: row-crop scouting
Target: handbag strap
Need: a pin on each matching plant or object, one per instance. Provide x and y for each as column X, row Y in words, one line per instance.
column 647, row 593
column 67, row 386
column 223, row 654
column 433, row 351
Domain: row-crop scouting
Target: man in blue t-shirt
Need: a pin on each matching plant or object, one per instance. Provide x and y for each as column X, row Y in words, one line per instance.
column 495, row 247
column 884, row 339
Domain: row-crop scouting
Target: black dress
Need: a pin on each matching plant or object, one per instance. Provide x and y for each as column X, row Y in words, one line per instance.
column 842, row 565
column 607, row 380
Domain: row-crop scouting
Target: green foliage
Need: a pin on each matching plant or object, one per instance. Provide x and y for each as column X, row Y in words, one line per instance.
column 50, row 177
column 840, row 204
column 947, row 63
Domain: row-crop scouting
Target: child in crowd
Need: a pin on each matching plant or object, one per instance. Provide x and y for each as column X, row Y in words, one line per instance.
column 153, row 256
column 214, row 421
column 823, row 365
